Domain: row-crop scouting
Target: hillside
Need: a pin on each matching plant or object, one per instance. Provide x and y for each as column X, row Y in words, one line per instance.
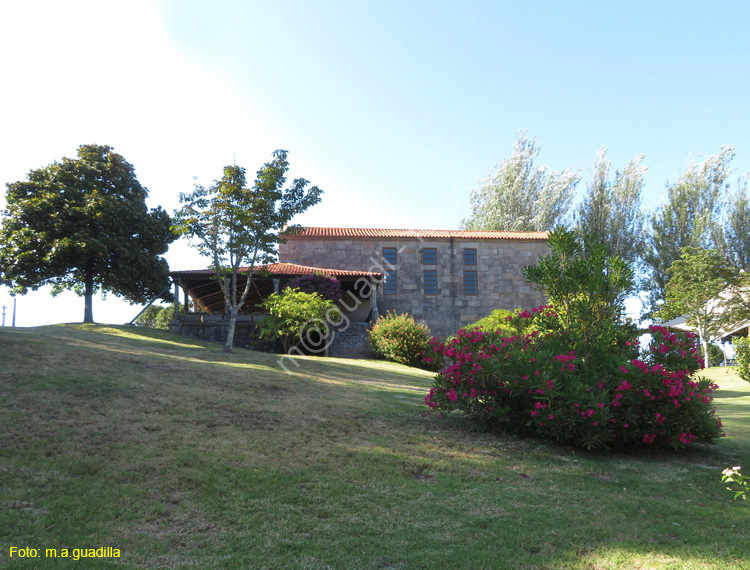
column 182, row 456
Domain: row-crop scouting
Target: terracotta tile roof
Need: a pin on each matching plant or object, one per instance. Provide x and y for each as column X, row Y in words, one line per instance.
column 285, row 269
column 318, row 232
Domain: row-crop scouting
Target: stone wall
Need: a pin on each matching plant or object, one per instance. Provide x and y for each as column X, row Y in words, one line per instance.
column 351, row 341
column 210, row 328
column 499, row 263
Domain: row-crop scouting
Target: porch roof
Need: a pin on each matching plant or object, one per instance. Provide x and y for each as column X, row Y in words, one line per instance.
column 203, row 287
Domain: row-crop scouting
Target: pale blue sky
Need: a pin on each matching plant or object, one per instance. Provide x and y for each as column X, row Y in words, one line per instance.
column 395, row 109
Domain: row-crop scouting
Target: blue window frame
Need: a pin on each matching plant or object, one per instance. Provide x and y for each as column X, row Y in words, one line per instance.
column 430, row 282
column 390, row 256
column 470, row 256
column 429, row 256
column 471, row 285
column 390, row 282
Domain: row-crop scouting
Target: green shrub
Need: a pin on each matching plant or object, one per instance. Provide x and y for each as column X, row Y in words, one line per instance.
column 300, row 320
column 147, row 317
column 715, row 355
column 157, row 317
column 742, row 349
column 399, row 338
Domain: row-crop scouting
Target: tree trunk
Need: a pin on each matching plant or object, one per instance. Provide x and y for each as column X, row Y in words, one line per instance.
column 88, row 312
column 230, row 331
column 704, row 347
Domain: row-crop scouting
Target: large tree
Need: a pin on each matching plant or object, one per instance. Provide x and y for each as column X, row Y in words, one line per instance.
column 611, row 208
column 521, row 196
column 238, row 227
column 83, row 224
column 688, row 218
column 709, row 290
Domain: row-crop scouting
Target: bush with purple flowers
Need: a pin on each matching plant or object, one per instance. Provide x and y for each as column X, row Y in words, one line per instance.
column 326, row 286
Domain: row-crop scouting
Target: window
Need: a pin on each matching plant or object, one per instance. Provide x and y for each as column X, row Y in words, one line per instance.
column 470, row 283
column 430, row 282
column 470, row 257
column 389, row 283
column 389, row 255
column 429, row 256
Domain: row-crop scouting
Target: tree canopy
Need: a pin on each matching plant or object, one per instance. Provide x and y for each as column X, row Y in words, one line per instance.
column 521, row 196
column 238, row 227
column 611, row 209
column 82, row 224
column 689, row 217
column 587, row 288
column 737, row 226
column 708, row 289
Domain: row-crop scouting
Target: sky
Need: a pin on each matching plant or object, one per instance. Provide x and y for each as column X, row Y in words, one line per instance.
column 395, row 109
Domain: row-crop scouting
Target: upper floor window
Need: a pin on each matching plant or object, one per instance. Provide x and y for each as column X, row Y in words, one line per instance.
column 470, row 256
column 429, row 256
column 430, row 282
column 389, row 255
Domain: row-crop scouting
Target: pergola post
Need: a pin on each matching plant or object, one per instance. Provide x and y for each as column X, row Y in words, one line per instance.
column 276, row 285
column 374, row 300
column 176, row 316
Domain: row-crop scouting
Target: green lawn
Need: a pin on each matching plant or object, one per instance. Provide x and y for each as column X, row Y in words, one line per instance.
column 182, row 456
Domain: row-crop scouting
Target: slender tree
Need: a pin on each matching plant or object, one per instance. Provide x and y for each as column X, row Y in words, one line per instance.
column 709, row 290
column 611, row 208
column 520, row 196
column 83, row 224
column 737, row 227
column 689, row 217
column 238, row 228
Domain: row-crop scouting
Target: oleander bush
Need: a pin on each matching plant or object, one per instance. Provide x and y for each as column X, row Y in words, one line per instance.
column 399, row 338
column 579, row 377
column 501, row 321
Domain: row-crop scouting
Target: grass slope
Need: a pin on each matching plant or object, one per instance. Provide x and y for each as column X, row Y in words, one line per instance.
column 182, row 456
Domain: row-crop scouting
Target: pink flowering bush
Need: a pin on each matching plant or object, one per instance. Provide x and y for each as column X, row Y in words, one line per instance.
column 579, row 378
column 536, row 384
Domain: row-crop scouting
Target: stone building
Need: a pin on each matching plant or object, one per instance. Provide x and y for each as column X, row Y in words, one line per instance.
column 445, row 278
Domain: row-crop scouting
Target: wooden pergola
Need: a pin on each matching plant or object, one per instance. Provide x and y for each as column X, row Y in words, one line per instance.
column 202, row 286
